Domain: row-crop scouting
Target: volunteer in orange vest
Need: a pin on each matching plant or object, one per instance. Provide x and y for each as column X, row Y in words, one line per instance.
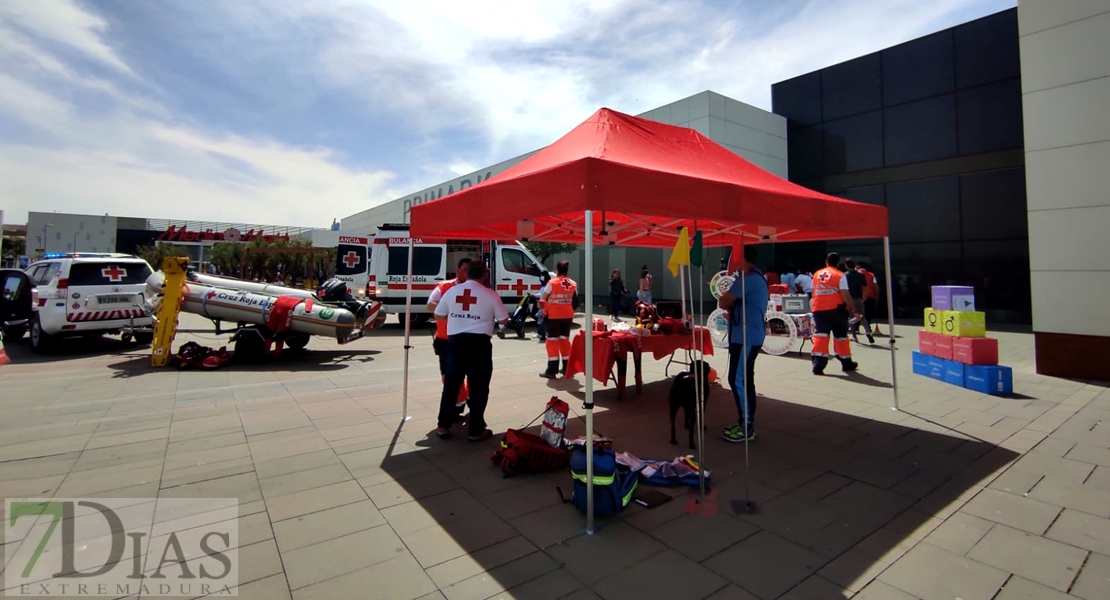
column 832, row 307
column 870, row 296
column 439, row 343
column 557, row 304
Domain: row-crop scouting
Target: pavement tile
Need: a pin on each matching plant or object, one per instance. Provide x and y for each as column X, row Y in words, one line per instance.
column 878, row 590
column 1032, row 557
column 614, row 548
column 283, row 485
column 959, row 533
column 399, row 579
column 1079, row 497
column 1094, row 579
column 683, row 578
column 732, row 592
column 464, row 567
column 1018, row 588
column 273, row 587
column 392, row 493
column 434, row 545
column 338, row 556
column 1016, row 511
column 498, row 579
column 1081, row 530
column 919, row 574
column 853, row 570
column 554, row 585
column 765, row 564
column 698, row 537
column 816, row 588
column 310, row 501
column 324, row 525
column 259, row 560
column 295, row 464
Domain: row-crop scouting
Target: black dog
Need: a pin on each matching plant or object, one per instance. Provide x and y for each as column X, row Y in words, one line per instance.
column 684, row 396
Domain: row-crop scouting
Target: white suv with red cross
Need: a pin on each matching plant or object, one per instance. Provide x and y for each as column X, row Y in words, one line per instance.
column 89, row 294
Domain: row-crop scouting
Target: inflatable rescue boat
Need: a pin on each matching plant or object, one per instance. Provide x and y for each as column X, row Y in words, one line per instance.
column 276, row 313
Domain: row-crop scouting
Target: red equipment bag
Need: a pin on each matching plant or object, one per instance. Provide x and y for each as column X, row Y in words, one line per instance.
column 522, row 452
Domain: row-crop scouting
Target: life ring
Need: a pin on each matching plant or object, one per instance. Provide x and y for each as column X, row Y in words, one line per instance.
column 720, row 284
column 717, row 324
column 781, row 334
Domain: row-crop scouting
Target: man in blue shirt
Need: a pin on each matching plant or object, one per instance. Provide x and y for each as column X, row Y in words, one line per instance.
column 746, row 303
column 787, row 279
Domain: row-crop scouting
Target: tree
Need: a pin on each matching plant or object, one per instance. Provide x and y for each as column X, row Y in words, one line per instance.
column 153, row 255
column 14, row 248
column 545, row 250
column 226, row 257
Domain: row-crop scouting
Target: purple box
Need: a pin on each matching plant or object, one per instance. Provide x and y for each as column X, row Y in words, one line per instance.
column 945, row 297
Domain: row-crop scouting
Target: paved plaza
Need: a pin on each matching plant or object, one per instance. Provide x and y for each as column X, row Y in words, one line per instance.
column 958, row 495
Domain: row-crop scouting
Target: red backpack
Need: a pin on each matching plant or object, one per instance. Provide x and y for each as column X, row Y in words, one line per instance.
column 522, row 452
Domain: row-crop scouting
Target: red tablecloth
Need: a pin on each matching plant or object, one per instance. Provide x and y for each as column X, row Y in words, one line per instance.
column 612, row 348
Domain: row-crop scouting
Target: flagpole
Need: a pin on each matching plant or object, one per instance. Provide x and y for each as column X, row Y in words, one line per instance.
column 588, row 339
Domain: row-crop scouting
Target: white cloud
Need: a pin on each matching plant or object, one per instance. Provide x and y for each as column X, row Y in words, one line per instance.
column 88, row 144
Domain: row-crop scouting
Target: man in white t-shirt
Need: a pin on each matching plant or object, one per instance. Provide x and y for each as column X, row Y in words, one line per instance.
column 471, row 311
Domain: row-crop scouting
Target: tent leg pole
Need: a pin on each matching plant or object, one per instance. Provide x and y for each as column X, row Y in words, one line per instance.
column 699, row 344
column 408, row 332
column 588, row 275
column 890, row 319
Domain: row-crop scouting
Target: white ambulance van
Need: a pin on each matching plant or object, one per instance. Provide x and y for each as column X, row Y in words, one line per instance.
column 352, row 264
column 513, row 271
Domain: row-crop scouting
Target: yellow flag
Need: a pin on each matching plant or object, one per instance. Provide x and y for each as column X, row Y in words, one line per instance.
column 681, row 253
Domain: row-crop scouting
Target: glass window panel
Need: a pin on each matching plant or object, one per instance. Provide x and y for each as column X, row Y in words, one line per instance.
column 920, row 131
column 990, row 118
column 987, row 50
column 804, row 149
column 918, row 69
column 993, row 206
column 926, row 210
column 851, row 88
column 426, row 260
column 999, row 271
column 798, row 99
column 872, row 194
column 854, row 144
column 918, row 267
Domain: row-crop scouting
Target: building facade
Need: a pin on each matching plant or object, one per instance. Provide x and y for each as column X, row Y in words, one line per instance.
column 1065, row 81
column 931, row 129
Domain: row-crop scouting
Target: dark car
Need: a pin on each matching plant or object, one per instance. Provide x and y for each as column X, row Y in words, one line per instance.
column 15, row 303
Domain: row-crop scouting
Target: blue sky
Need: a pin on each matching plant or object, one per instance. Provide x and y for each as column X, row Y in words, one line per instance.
column 294, row 113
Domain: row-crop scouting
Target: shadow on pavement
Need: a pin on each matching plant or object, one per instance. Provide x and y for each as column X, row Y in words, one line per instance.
column 836, row 494
column 291, row 360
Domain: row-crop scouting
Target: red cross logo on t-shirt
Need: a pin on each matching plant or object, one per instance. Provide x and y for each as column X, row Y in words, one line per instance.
column 466, row 300
column 519, row 287
column 114, row 273
column 824, row 276
column 567, row 285
column 351, row 259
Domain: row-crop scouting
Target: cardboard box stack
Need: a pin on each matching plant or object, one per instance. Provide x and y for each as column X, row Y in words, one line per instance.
column 953, row 346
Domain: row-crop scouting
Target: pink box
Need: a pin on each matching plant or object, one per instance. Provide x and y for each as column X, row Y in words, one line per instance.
column 927, row 341
column 943, row 347
column 975, row 351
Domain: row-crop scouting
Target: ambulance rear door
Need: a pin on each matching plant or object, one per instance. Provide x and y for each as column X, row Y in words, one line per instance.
column 429, row 268
column 352, row 264
column 517, row 272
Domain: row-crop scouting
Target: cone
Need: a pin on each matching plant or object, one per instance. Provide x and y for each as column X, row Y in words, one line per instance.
column 3, row 354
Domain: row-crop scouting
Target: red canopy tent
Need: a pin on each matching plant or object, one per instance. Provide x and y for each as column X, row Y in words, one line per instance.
column 647, row 180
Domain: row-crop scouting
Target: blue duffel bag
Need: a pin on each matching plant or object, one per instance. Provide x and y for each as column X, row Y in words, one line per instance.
column 614, row 484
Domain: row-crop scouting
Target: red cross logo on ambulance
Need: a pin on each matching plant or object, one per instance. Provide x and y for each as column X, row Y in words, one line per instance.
column 114, row 273
column 351, row 259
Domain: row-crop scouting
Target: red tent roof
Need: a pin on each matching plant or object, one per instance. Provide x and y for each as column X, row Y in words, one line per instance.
column 647, row 179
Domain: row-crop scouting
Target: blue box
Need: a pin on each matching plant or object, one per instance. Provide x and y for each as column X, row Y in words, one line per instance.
column 995, row 380
column 954, row 372
column 929, row 366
